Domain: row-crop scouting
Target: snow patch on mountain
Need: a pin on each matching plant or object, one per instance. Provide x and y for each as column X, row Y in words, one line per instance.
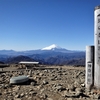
column 51, row 47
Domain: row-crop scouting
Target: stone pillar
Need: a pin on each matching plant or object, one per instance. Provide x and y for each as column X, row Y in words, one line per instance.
column 89, row 79
column 97, row 46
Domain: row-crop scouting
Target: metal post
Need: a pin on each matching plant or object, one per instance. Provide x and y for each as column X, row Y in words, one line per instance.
column 89, row 66
column 97, row 46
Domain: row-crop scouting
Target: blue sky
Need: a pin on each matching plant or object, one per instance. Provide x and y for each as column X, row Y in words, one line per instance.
column 35, row 24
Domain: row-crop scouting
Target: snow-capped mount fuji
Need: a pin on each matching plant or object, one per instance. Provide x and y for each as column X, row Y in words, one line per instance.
column 51, row 47
column 56, row 48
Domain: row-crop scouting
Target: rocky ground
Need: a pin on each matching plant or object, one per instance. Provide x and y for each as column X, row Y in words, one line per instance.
column 50, row 83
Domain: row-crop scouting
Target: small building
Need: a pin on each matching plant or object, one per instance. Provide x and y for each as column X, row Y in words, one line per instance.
column 27, row 62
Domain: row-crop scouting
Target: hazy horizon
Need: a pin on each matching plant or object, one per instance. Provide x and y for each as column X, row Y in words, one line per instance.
column 39, row 49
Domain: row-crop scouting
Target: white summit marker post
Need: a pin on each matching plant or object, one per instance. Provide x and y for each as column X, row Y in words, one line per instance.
column 89, row 66
column 97, row 46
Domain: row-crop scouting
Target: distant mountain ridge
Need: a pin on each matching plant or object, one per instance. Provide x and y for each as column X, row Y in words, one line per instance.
column 50, row 48
column 52, row 55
